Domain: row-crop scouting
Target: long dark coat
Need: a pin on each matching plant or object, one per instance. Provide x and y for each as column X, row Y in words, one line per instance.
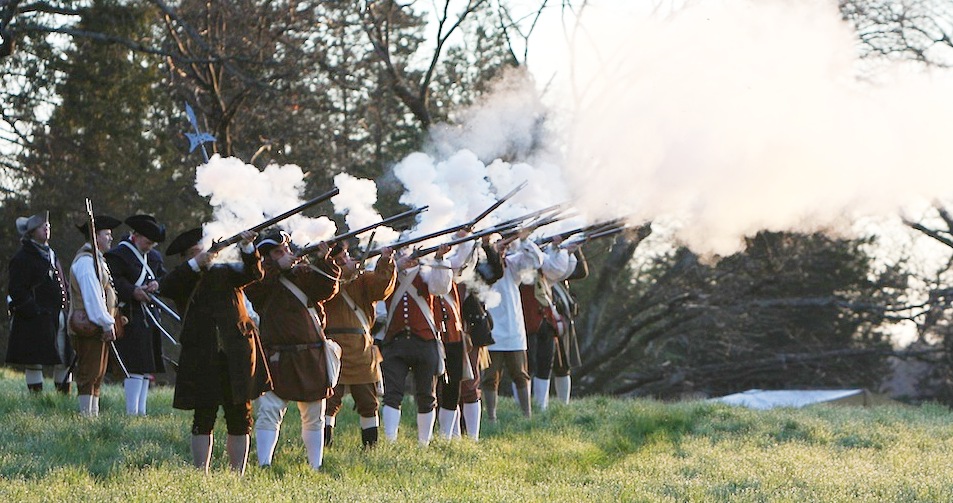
column 215, row 318
column 38, row 295
column 141, row 348
column 567, row 344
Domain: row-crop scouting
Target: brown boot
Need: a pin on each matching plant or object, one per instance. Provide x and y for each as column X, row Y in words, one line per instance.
column 64, row 387
column 35, row 388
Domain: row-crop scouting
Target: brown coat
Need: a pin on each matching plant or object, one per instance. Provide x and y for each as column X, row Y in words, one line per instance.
column 292, row 341
column 360, row 358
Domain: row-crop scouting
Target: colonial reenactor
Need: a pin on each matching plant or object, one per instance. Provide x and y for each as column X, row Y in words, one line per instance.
column 222, row 363
column 411, row 340
column 450, row 322
column 136, row 268
column 509, row 332
column 478, row 328
column 543, row 322
column 567, row 344
column 38, row 302
column 294, row 342
column 350, row 316
column 93, row 306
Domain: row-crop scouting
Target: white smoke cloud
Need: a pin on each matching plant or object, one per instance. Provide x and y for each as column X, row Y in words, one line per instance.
column 734, row 116
column 243, row 196
column 356, row 202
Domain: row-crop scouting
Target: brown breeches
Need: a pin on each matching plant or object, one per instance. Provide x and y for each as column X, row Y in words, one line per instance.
column 92, row 355
column 365, row 399
column 515, row 364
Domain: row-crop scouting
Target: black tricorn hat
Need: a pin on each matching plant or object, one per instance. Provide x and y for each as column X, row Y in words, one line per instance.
column 147, row 226
column 184, row 241
column 270, row 239
column 101, row 222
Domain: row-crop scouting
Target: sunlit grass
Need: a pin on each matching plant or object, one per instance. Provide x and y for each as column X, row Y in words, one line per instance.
column 596, row 449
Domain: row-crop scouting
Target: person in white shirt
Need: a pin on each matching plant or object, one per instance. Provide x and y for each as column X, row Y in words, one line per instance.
column 92, row 294
column 509, row 331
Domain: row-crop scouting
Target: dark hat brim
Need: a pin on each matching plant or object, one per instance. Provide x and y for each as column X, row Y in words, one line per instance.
column 101, row 222
column 184, row 241
column 147, row 226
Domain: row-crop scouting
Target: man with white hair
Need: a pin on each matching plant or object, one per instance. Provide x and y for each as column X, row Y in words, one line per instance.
column 38, row 299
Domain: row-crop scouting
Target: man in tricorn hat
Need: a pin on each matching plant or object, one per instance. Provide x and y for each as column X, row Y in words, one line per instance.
column 221, row 363
column 294, row 340
column 93, row 297
column 136, row 268
column 38, row 301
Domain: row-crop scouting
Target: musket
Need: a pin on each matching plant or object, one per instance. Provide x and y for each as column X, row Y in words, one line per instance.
column 370, row 243
column 223, row 243
column 509, row 224
column 582, row 230
column 469, row 237
column 600, row 234
column 347, row 235
column 495, row 205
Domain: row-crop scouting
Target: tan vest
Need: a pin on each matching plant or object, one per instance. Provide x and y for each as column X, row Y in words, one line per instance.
column 105, row 279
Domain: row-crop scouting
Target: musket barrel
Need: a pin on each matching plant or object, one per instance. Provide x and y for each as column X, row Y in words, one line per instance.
column 496, row 205
column 219, row 245
column 347, row 235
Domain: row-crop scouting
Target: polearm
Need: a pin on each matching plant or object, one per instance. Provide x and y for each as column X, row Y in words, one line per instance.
column 221, row 244
column 466, row 225
column 347, row 235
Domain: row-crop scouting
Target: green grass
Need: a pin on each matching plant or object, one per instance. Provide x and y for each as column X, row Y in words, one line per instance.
column 596, row 449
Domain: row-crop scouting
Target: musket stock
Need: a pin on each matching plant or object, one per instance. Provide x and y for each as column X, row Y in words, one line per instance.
column 224, row 243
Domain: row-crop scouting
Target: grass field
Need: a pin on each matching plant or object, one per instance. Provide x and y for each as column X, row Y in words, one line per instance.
column 596, row 449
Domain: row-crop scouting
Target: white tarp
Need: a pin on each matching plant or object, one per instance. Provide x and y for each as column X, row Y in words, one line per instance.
column 767, row 399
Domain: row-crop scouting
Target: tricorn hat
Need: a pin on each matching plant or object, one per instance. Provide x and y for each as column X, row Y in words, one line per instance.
column 26, row 225
column 184, row 241
column 270, row 239
column 148, row 226
column 101, row 222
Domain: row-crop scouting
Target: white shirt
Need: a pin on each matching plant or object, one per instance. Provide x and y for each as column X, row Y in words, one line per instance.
column 509, row 332
column 94, row 300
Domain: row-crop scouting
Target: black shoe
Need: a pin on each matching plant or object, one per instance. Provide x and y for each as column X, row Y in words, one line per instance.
column 328, row 436
column 369, row 437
